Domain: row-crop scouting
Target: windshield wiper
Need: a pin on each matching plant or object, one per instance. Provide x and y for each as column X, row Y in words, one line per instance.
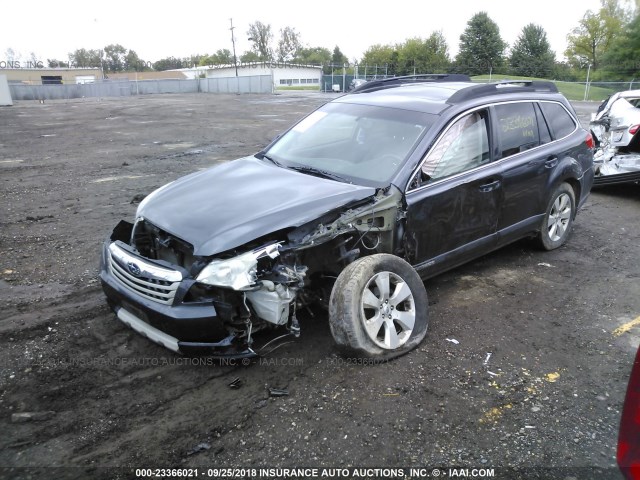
column 261, row 155
column 320, row 173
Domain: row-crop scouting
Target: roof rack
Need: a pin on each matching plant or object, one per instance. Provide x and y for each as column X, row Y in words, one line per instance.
column 504, row 86
column 374, row 85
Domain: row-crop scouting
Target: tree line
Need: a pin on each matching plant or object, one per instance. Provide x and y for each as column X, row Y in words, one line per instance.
column 605, row 42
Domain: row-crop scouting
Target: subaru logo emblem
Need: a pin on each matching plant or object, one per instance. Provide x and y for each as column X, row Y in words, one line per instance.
column 134, row 269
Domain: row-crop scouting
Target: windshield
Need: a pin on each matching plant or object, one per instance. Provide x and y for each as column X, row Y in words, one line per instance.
column 359, row 143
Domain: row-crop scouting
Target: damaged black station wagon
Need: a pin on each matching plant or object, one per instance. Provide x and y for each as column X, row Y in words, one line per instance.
column 351, row 208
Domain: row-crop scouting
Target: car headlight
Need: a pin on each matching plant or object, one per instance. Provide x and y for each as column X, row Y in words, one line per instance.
column 237, row 272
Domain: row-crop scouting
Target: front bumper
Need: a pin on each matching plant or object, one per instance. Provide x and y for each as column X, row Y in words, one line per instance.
column 183, row 327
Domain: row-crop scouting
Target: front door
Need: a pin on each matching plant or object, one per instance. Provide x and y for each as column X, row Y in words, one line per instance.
column 453, row 210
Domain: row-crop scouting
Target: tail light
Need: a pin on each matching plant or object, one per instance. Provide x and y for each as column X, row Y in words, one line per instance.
column 634, row 129
column 629, row 436
column 590, row 143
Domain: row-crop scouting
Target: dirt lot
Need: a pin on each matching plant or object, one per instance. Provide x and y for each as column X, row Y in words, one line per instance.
column 534, row 382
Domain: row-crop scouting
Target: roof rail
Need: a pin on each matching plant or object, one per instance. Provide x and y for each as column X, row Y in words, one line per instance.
column 504, row 86
column 374, row 85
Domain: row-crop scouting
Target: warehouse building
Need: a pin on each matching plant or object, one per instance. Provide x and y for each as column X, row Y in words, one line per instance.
column 52, row 76
column 283, row 74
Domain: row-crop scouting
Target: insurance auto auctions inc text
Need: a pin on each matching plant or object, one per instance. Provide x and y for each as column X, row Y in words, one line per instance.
column 364, row 473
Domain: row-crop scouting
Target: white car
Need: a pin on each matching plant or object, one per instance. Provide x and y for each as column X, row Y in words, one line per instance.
column 615, row 127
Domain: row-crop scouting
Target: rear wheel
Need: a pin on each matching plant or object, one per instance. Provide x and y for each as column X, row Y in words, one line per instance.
column 378, row 307
column 558, row 219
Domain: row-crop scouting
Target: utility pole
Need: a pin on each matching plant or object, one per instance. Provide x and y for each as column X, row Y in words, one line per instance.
column 233, row 42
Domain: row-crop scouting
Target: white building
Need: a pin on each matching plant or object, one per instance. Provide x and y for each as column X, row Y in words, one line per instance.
column 283, row 74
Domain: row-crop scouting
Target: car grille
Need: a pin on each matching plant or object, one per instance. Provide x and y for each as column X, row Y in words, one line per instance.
column 142, row 277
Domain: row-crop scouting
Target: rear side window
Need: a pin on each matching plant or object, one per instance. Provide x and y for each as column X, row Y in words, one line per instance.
column 518, row 126
column 545, row 135
column 558, row 119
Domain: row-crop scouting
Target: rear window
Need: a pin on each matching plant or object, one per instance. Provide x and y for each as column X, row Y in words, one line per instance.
column 518, row 127
column 560, row 122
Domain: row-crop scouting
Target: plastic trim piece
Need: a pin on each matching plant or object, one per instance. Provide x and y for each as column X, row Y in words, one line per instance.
column 147, row 330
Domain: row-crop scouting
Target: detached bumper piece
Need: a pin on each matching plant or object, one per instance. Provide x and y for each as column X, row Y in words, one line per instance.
column 228, row 348
column 604, row 180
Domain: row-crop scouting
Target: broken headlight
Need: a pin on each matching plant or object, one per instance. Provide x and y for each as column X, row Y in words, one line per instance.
column 238, row 272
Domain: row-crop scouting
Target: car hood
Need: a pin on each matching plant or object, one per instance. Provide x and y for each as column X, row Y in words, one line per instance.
column 226, row 206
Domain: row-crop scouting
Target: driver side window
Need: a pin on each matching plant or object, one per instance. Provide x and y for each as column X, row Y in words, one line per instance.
column 465, row 145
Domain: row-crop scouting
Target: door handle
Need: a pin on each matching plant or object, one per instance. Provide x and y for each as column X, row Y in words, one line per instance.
column 488, row 187
column 552, row 162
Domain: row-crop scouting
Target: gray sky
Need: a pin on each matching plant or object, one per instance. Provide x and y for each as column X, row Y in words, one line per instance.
column 157, row 30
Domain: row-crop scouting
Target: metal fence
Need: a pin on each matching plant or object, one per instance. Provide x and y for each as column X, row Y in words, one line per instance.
column 125, row 88
column 62, row 92
column 150, row 87
column 251, row 84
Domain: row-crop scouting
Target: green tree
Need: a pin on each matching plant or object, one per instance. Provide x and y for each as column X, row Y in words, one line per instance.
column 313, row 56
column 250, row 57
column 222, row 56
column 417, row 55
column 481, row 46
column 380, row 57
column 114, row 58
column 261, row 37
column 288, row 45
column 192, row 60
column 169, row 63
column 621, row 59
column 338, row 58
column 531, row 55
column 53, row 63
column 592, row 37
column 133, row 63
column 565, row 72
column 84, row 58
column 208, row 60
column 411, row 56
column 439, row 60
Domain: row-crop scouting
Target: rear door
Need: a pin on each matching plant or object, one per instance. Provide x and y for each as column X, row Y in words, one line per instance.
column 529, row 158
column 527, row 162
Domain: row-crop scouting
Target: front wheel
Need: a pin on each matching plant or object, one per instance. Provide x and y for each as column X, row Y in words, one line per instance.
column 558, row 219
column 378, row 307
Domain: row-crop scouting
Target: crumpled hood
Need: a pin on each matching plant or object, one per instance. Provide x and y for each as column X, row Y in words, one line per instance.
column 231, row 204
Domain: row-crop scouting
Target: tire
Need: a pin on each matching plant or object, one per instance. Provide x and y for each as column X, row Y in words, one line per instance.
column 558, row 219
column 369, row 289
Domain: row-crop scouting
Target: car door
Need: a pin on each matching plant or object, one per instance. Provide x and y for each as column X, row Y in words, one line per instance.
column 454, row 200
column 527, row 161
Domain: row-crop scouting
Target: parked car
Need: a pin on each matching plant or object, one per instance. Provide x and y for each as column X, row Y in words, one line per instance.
column 616, row 128
column 356, row 82
column 628, row 453
column 351, row 208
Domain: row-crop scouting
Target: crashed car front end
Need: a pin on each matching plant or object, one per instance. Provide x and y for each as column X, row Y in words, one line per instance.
column 214, row 305
column 168, row 303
